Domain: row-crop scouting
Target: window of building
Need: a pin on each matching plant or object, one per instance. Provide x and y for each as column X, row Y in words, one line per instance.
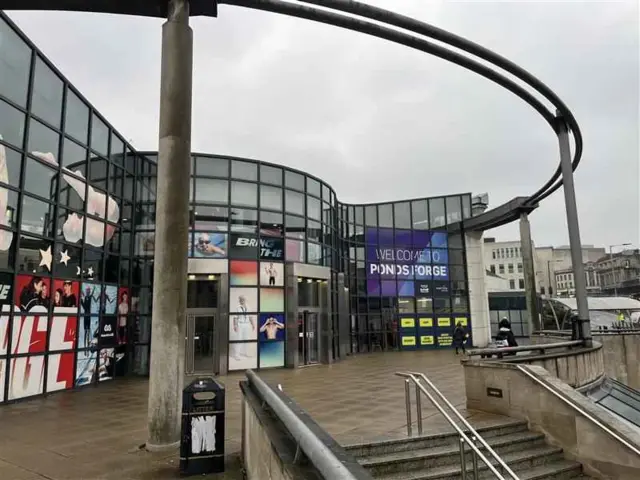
column 244, row 220
column 271, row 197
column 271, row 175
column 313, row 187
column 244, row 193
column 402, row 214
column 436, row 212
column 271, row 224
column 512, row 284
column 210, row 218
column 466, row 206
column 294, row 180
column 493, row 269
column 15, row 64
column 501, row 268
column 371, row 216
column 454, row 209
column 420, row 214
column 519, row 268
column 294, row 202
column 37, row 216
column 510, row 267
column 385, row 215
column 493, row 254
column 46, row 97
column 76, row 122
column 212, row 167
column 313, row 208
column 209, row 190
column 12, row 123
column 521, row 283
column 14, row 167
column 542, row 290
column 295, row 226
column 359, row 215
column 244, row 170
column 99, row 136
column 39, row 179
column 42, row 138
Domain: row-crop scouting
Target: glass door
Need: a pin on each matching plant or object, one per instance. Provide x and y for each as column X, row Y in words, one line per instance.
column 308, row 336
column 200, row 348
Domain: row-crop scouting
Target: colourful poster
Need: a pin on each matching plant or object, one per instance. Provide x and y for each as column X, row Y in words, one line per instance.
column 243, row 273
column 271, row 354
column 123, row 312
column 60, row 374
column 243, row 355
column 271, row 300
column 26, row 377
column 426, row 332
column 65, row 297
column 272, row 327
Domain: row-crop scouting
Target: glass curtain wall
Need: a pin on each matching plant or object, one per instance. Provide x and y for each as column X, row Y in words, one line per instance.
column 65, row 255
column 406, row 275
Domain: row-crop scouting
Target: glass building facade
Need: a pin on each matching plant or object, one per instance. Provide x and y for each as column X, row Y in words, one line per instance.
column 281, row 273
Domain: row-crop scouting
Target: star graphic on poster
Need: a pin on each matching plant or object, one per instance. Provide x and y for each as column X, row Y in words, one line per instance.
column 64, row 257
column 78, row 271
column 46, row 258
column 90, row 271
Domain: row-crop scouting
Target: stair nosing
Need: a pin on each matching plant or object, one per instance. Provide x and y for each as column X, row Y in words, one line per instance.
column 446, row 450
column 417, row 438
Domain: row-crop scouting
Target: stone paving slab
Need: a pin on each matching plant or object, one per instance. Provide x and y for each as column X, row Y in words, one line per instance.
column 95, row 433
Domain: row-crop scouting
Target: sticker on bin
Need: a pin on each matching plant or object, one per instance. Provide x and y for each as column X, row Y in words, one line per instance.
column 203, row 434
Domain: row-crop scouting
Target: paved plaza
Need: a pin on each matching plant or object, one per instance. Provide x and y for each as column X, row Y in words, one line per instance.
column 96, row 433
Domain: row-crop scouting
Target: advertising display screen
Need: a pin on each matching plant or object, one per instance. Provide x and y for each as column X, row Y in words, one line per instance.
column 405, row 256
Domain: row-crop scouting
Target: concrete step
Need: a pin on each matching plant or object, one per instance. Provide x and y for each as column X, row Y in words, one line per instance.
column 521, row 461
column 448, row 454
column 384, row 447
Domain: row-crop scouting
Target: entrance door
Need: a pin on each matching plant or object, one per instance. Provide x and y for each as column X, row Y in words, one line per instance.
column 200, row 349
column 308, row 337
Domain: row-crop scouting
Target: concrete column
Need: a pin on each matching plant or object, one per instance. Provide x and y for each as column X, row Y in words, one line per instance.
column 291, row 292
column 172, row 225
column 526, row 246
column 478, row 296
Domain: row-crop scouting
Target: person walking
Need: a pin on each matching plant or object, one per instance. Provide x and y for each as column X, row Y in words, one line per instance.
column 505, row 337
column 459, row 338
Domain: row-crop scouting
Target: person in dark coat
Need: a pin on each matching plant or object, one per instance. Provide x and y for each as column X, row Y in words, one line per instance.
column 459, row 337
column 505, row 337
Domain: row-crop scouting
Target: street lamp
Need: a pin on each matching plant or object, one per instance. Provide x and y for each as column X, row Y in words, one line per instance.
column 549, row 262
column 613, row 268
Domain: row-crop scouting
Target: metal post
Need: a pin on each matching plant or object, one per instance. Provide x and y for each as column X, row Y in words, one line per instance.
column 613, row 272
column 419, row 408
column 549, row 275
column 474, row 459
column 166, row 371
column 463, row 461
column 528, row 264
column 407, row 398
column 574, row 230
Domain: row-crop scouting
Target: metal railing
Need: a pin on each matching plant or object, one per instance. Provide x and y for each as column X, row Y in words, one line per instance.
column 524, row 369
column 540, row 348
column 316, row 451
column 469, row 437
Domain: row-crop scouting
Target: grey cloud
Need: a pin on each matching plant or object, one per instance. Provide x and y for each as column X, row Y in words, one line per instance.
column 379, row 121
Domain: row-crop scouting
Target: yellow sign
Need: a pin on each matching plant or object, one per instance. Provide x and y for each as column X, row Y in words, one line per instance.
column 445, row 340
column 444, row 322
column 462, row 320
column 426, row 340
column 426, row 322
column 408, row 341
column 408, row 322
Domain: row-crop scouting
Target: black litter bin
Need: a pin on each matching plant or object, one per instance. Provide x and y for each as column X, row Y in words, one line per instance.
column 202, row 444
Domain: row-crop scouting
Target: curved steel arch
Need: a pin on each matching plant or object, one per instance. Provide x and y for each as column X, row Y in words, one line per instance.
column 562, row 115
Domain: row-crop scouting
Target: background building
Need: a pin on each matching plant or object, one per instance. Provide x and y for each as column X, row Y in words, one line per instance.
column 505, row 260
column 619, row 273
column 564, row 281
column 280, row 272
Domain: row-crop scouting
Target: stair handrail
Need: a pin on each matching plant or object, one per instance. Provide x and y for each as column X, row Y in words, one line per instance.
column 577, row 408
column 465, row 423
column 413, row 377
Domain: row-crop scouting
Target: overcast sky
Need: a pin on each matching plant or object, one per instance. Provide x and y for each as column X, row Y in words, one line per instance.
column 379, row 121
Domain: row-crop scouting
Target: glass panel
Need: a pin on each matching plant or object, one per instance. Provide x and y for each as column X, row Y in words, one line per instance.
column 314, row 231
column 313, row 187
column 15, row 63
column 37, row 217
column 385, row 215
column 14, row 166
column 46, row 99
column 326, row 194
column 99, row 136
column 212, row 167
column 420, row 214
column 210, row 219
column 313, row 208
column 270, row 197
column 11, row 124
column 436, row 212
column 294, row 202
column 11, row 216
column 243, row 220
column 270, row 175
column 454, row 210
column 243, row 193
column 76, row 121
column 402, row 215
column 295, row 226
column 371, row 215
column 466, row 206
column 40, row 179
column 214, row 191
column 359, row 218
column 42, row 139
column 117, row 149
column 294, row 180
column 73, row 155
column 271, row 224
column 244, row 170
